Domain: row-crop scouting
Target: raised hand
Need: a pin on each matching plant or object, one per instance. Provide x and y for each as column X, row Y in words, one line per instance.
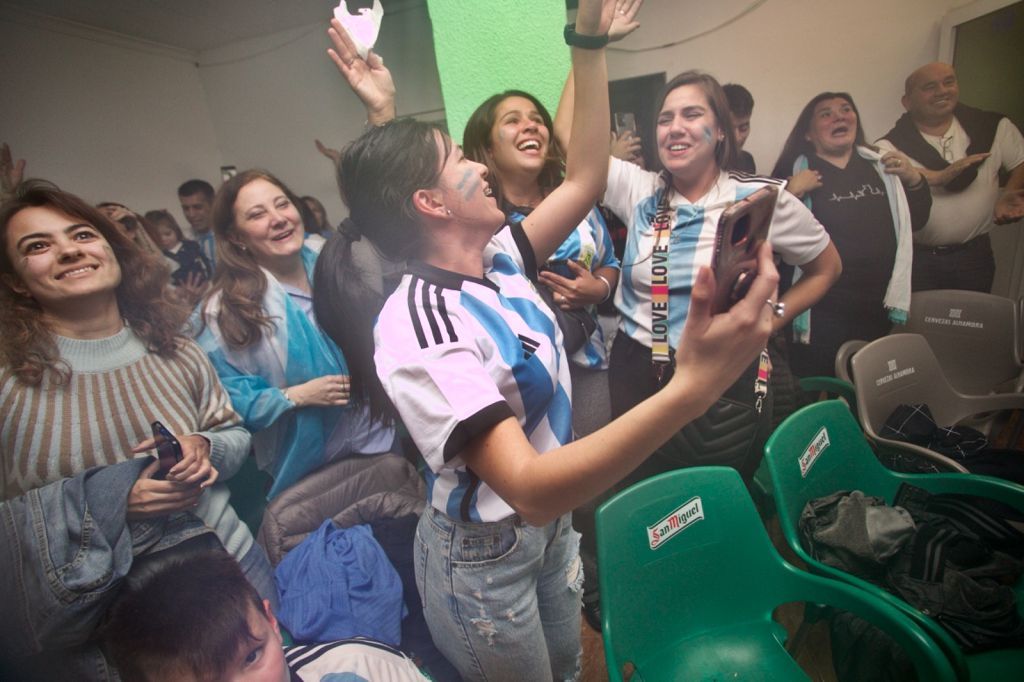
column 11, row 172
column 368, row 78
column 626, row 145
column 624, row 20
column 333, row 154
column 945, row 176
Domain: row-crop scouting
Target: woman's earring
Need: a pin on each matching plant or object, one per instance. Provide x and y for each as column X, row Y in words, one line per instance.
column 449, row 211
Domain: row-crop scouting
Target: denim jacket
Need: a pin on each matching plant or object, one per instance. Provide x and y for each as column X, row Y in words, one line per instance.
column 64, row 549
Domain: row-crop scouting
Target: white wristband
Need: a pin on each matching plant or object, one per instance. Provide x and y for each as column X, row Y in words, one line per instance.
column 607, row 286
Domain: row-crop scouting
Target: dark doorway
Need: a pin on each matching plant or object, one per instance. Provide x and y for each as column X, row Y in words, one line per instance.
column 637, row 96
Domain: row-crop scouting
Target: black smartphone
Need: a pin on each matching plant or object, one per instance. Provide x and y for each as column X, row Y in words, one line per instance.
column 560, row 266
column 742, row 229
column 168, row 449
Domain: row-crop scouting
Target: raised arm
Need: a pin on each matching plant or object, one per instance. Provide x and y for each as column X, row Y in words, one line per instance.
column 713, row 351
column 368, row 78
column 587, row 154
column 623, row 23
column 11, row 173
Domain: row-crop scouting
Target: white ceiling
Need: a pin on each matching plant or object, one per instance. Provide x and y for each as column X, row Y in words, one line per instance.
column 195, row 25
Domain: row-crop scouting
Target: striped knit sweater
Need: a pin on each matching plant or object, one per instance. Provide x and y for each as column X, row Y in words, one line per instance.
column 116, row 389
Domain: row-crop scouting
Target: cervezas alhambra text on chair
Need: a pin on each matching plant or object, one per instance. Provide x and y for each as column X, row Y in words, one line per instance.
column 901, row 369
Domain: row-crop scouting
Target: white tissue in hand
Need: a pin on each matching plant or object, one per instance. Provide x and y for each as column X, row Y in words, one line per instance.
column 362, row 27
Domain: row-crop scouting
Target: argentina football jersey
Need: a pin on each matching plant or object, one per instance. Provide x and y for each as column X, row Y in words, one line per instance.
column 461, row 355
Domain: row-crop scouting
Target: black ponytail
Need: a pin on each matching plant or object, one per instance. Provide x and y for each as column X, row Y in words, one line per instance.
column 377, row 176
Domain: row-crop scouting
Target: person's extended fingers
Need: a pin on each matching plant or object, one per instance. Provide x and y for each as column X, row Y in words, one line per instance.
column 576, row 268
column 144, row 445
column 342, row 41
column 766, row 285
column 700, row 297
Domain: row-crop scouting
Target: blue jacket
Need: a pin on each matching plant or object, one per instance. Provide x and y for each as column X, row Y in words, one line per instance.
column 64, row 549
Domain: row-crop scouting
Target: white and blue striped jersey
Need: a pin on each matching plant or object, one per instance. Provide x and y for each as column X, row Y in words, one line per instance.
column 633, row 195
column 458, row 354
column 589, row 244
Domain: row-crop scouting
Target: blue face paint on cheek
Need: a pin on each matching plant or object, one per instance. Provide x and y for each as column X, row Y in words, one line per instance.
column 707, row 134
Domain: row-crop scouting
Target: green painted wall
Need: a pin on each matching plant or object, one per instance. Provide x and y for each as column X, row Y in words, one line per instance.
column 486, row 46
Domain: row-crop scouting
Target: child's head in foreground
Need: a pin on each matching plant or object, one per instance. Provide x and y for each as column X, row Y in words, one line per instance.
column 193, row 618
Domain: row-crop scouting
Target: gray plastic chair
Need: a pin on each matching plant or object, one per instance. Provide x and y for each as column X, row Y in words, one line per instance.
column 974, row 336
column 843, row 357
column 901, row 369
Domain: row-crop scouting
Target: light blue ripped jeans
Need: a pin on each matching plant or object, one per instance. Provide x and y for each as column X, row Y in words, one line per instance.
column 502, row 599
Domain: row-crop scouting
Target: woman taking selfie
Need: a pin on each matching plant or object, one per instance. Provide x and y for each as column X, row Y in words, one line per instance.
column 471, row 359
column 695, row 143
column 869, row 202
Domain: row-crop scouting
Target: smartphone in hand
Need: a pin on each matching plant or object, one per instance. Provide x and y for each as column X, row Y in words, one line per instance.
column 560, row 266
column 168, row 449
column 742, row 229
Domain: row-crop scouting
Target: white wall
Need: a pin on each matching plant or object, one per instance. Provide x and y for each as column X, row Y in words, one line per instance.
column 110, row 118
column 102, row 116
column 270, row 98
column 787, row 51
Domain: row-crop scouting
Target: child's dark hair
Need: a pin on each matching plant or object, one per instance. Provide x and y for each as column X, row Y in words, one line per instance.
column 378, row 174
column 185, row 613
column 741, row 102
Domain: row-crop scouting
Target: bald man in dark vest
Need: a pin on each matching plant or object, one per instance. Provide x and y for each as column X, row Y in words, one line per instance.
column 961, row 151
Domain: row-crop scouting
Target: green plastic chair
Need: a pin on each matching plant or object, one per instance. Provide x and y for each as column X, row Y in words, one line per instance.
column 841, row 459
column 699, row 605
column 831, row 387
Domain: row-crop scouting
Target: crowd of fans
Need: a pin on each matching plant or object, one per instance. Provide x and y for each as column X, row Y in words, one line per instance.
column 453, row 319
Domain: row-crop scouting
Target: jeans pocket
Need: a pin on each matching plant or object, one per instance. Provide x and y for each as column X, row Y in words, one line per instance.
column 484, row 547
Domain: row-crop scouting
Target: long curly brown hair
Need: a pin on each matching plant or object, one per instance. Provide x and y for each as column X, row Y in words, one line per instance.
column 239, row 279
column 27, row 345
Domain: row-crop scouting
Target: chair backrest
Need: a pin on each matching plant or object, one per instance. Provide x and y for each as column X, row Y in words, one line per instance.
column 816, row 451
column 676, row 553
column 900, row 369
column 819, row 450
column 973, row 334
column 843, row 357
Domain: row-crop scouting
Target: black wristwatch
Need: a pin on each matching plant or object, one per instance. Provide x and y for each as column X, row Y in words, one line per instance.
column 575, row 39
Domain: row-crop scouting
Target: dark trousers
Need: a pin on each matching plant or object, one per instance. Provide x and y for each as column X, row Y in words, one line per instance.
column 970, row 266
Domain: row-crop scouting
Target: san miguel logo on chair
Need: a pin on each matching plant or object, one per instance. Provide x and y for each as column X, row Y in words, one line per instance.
column 679, row 520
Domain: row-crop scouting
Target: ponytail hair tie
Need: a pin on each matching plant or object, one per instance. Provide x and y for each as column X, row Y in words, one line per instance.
column 350, row 230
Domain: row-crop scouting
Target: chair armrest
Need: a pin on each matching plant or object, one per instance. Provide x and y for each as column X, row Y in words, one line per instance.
column 976, row 404
column 830, row 385
column 933, row 652
column 1000, row 490
column 936, row 458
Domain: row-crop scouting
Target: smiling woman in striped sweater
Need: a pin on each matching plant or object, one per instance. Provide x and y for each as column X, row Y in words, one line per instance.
column 90, row 355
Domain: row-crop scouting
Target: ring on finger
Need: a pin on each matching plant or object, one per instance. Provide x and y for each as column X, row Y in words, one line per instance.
column 778, row 309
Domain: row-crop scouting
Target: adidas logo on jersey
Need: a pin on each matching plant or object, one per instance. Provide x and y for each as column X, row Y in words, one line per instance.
column 529, row 346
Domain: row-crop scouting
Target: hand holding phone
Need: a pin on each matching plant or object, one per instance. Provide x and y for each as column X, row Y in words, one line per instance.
column 742, row 229
column 168, row 449
column 560, row 266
